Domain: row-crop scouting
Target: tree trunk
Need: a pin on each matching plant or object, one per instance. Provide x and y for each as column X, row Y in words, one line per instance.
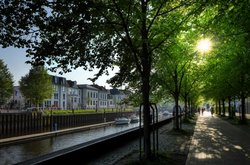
column 223, row 108
column 219, row 108
column 146, row 67
column 243, row 109
column 189, row 107
column 146, row 119
column 234, row 109
column 216, row 107
column 186, row 106
column 229, row 108
column 176, row 109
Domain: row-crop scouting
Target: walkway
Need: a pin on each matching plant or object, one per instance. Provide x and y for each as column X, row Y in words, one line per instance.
column 217, row 142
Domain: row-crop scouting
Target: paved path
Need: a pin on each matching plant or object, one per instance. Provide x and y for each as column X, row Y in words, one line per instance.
column 216, row 141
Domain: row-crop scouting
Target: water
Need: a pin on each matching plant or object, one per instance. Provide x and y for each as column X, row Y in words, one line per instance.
column 20, row 152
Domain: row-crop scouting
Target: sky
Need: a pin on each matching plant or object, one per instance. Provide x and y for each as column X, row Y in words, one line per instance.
column 15, row 59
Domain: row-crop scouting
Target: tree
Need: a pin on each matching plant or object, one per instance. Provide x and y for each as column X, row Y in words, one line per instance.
column 36, row 85
column 6, row 83
column 230, row 24
column 173, row 68
column 97, row 34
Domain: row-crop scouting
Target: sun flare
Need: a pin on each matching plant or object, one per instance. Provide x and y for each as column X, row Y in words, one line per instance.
column 204, row 45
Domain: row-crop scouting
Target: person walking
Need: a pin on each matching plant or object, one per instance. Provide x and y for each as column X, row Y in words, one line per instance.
column 202, row 110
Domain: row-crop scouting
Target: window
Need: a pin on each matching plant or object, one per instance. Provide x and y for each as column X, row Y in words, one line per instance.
column 56, row 103
column 56, row 80
column 47, row 103
column 55, row 88
column 55, row 95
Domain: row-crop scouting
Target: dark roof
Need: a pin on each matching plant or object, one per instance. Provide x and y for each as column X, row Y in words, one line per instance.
column 82, row 86
column 72, row 84
column 59, row 80
column 99, row 87
column 115, row 92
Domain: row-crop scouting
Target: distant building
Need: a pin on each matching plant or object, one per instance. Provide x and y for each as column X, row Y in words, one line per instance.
column 89, row 96
column 102, row 96
column 59, row 97
column 73, row 101
column 69, row 95
column 18, row 99
column 118, row 97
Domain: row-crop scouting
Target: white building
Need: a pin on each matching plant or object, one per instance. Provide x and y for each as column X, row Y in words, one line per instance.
column 18, row 99
column 117, row 98
column 102, row 96
column 68, row 95
column 89, row 96
column 73, row 101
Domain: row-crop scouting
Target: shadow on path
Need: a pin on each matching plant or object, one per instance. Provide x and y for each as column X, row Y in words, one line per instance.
column 218, row 142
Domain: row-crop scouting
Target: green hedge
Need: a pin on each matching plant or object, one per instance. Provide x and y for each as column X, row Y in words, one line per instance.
column 82, row 111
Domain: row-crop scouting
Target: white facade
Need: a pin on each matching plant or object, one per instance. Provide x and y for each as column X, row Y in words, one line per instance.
column 69, row 95
column 89, row 96
column 73, row 101
column 59, row 97
column 18, row 99
column 117, row 99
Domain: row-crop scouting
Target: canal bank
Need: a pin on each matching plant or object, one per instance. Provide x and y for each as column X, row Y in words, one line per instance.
column 51, row 146
column 37, row 136
column 91, row 150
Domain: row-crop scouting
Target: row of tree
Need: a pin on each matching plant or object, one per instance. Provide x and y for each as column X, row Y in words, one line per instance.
column 151, row 41
column 35, row 86
column 6, row 83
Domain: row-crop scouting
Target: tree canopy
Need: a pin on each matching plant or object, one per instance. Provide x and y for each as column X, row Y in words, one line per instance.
column 36, row 86
column 6, row 83
column 150, row 42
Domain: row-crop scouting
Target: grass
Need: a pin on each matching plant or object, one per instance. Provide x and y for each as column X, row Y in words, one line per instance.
column 83, row 111
column 236, row 120
column 190, row 120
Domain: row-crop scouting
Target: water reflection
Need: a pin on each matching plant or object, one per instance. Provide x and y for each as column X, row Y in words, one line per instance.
column 21, row 152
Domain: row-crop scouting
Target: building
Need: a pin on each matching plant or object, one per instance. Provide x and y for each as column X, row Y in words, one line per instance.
column 102, row 96
column 60, row 96
column 117, row 98
column 18, row 99
column 73, row 95
column 69, row 95
column 89, row 96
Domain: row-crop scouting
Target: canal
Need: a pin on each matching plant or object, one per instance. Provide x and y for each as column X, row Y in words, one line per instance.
column 16, row 153
column 20, row 152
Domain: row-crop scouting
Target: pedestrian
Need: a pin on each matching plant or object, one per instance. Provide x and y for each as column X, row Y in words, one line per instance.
column 199, row 110
column 202, row 110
